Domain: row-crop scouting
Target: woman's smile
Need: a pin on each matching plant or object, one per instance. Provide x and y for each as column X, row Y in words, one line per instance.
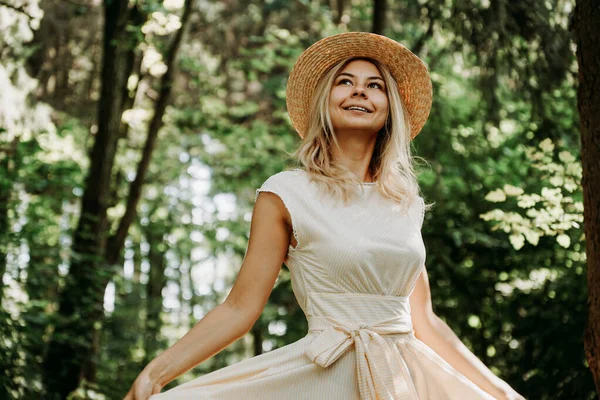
column 358, row 109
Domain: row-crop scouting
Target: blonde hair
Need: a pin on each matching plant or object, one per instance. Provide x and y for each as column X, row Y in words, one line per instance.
column 391, row 163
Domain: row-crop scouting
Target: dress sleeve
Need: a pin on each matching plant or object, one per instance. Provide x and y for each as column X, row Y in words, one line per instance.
column 278, row 185
column 421, row 215
column 418, row 212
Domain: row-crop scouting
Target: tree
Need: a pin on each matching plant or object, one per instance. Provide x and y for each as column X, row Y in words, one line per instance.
column 80, row 304
column 379, row 16
column 94, row 255
column 587, row 36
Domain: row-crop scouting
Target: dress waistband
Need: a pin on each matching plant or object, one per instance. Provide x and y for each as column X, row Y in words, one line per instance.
column 358, row 308
column 345, row 319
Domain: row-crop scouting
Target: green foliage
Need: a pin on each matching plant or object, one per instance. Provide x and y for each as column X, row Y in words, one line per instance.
column 503, row 127
column 556, row 212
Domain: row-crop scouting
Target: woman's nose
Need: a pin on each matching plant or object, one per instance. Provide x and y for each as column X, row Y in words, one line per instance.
column 359, row 90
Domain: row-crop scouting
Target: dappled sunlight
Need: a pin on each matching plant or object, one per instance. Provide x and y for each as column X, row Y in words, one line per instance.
column 113, row 288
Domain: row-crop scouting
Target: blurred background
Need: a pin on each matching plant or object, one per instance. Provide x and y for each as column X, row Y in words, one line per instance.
column 133, row 135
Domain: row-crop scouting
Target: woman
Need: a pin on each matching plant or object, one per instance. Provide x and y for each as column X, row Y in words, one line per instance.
column 348, row 226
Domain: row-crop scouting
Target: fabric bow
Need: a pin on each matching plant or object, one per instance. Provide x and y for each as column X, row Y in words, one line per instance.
column 382, row 373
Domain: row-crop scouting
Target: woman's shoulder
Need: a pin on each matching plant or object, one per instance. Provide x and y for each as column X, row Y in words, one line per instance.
column 289, row 181
column 293, row 172
column 286, row 177
column 290, row 185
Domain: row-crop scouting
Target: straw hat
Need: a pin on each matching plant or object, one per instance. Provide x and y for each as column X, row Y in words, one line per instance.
column 408, row 70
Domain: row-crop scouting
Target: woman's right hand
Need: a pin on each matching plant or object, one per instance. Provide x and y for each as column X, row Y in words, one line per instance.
column 143, row 388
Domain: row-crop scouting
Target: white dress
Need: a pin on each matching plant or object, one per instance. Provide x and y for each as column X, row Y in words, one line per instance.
column 352, row 271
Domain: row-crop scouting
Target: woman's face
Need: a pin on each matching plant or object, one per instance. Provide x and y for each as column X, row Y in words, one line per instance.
column 358, row 98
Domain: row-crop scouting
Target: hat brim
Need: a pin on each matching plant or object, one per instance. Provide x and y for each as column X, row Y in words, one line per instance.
column 409, row 71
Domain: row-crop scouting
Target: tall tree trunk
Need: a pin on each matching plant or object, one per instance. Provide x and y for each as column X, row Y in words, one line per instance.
column 587, row 36
column 379, row 11
column 340, row 7
column 256, row 332
column 135, row 189
column 132, row 61
column 156, row 283
column 80, row 303
column 93, row 255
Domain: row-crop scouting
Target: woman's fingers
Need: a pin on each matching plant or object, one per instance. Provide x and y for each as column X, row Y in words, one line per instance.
column 157, row 389
column 143, row 387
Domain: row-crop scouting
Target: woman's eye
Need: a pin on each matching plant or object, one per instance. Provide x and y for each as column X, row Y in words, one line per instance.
column 345, row 82
column 375, row 85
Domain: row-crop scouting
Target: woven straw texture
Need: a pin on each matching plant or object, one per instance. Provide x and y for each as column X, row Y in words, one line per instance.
column 408, row 70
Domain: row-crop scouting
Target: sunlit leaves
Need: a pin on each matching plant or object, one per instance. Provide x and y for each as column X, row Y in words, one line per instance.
column 161, row 24
column 563, row 240
column 496, row 196
column 227, row 130
column 153, row 62
column 552, row 212
column 536, row 279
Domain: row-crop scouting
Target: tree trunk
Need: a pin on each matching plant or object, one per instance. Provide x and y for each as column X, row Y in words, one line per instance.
column 340, row 7
column 256, row 331
column 379, row 11
column 156, row 283
column 587, row 36
column 93, row 258
column 135, row 190
column 81, row 302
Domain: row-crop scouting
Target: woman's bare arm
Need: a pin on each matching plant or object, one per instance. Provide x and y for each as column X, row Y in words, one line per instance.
column 270, row 234
column 436, row 334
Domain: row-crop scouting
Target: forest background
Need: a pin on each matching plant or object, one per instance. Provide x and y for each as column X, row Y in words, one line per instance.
column 133, row 135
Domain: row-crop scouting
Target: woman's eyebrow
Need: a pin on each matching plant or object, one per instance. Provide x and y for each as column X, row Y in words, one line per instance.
column 352, row 76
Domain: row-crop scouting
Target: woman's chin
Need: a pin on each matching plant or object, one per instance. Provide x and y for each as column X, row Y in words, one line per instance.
column 357, row 128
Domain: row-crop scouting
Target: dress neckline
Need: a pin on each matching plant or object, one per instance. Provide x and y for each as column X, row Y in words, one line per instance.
column 374, row 183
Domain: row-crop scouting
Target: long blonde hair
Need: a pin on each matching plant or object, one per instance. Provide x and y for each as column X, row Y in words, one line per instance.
column 391, row 163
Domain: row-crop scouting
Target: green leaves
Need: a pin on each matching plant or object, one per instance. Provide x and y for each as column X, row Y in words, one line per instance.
column 504, row 239
column 551, row 212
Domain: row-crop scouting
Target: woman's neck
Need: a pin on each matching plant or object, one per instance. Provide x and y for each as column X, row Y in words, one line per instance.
column 355, row 153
